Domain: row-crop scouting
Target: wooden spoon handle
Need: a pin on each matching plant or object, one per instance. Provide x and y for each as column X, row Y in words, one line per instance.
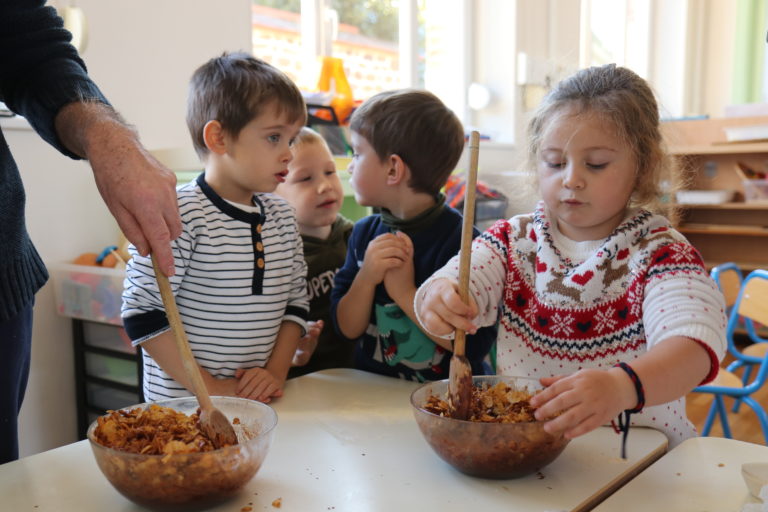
column 187, row 358
column 466, row 235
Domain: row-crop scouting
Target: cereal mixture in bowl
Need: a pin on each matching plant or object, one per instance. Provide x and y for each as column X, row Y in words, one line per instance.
column 501, row 439
column 156, row 456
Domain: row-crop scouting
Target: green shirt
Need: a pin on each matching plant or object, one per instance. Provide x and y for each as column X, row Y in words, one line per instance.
column 324, row 258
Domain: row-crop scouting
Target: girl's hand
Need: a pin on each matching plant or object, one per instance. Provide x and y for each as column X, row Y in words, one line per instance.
column 258, row 384
column 442, row 311
column 584, row 400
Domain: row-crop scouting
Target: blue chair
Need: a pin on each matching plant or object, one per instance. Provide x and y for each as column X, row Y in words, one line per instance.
column 729, row 278
column 751, row 305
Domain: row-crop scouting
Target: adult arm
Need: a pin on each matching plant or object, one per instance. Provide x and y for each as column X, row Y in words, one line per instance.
column 44, row 80
column 138, row 190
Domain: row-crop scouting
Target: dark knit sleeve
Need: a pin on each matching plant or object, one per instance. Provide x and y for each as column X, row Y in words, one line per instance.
column 40, row 71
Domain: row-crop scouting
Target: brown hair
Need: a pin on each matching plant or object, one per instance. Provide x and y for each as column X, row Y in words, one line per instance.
column 626, row 101
column 419, row 128
column 233, row 89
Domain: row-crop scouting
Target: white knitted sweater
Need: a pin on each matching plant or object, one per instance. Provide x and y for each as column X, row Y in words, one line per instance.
column 564, row 305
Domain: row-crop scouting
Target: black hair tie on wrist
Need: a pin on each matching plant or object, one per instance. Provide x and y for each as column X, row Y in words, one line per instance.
column 625, row 415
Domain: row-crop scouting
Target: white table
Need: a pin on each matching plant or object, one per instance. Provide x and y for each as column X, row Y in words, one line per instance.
column 700, row 474
column 346, row 441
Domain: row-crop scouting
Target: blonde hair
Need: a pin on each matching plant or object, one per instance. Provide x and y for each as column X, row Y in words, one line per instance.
column 308, row 136
column 623, row 99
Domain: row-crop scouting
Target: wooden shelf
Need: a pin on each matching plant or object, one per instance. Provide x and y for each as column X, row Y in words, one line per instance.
column 753, row 205
column 745, row 266
column 734, row 231
column 725, row 148
column 718, row 229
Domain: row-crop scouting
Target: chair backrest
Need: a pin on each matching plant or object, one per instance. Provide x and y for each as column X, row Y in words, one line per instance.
column 752, row 305
column 728, row 278
column 754, row 297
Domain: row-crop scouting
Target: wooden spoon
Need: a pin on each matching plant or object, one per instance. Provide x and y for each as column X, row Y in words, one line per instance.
column 213, row 423
column 460, row 373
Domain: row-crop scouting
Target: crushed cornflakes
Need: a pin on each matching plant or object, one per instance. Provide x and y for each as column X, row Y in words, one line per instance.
column 490, row 404
column 155, row 430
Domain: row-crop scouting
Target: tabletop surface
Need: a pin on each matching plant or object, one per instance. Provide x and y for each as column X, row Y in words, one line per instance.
column 346, row 440
column 700, row 474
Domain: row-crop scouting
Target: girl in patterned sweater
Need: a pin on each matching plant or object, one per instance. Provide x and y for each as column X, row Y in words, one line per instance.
column 595, row 295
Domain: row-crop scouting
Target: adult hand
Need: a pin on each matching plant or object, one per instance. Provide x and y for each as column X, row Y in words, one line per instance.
column 138, row 190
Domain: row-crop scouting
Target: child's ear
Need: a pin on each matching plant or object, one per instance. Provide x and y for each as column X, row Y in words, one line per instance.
column 398, row 170
column 214, row 137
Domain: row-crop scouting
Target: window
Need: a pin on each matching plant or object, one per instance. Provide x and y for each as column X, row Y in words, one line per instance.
column 385, row 44
column 616, row 31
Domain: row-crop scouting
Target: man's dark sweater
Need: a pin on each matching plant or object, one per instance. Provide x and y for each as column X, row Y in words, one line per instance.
column 40, row 72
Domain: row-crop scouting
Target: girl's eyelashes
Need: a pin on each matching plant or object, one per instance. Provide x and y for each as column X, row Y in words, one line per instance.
column 560, row 165
column 274, row 138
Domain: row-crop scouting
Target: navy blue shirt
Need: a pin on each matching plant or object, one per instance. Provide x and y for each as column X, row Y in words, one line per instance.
column 392, row 344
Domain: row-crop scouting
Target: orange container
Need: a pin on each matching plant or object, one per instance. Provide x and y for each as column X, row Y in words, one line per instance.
column 334, row 80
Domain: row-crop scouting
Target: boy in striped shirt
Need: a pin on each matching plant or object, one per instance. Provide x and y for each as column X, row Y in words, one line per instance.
column 240, row 277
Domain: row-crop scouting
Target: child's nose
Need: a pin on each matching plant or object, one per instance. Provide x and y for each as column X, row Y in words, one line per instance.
column 287, row 155
column 572, row 178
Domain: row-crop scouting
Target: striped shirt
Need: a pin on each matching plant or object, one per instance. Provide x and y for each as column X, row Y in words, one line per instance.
column 239, row 276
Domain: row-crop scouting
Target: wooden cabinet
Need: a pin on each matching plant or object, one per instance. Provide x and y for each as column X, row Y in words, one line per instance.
column 733, row 231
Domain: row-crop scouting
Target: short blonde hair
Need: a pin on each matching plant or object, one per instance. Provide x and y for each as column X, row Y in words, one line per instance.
column 626, row 101
column 309, row 136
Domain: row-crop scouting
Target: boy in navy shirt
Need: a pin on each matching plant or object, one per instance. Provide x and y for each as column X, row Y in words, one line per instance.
column 406, row 143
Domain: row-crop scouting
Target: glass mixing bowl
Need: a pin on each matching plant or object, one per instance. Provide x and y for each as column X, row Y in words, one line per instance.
column 191, row 481
column 488, row 450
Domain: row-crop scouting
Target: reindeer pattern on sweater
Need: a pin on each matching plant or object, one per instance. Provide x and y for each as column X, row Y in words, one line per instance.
column 564, row 305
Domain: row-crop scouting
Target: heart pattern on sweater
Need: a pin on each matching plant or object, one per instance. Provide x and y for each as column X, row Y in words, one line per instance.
column 622, row 254
column 584, row 278
column 584, row 326
column 541, row 266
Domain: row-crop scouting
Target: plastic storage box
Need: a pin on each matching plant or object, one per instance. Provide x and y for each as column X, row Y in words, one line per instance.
column 755, row 190
column 88, row 293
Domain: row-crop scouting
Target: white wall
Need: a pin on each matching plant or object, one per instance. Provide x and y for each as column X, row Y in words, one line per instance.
column 141, row 53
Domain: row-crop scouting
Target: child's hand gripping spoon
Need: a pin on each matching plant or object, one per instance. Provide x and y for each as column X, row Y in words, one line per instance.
column 213, row 423
column 460, row 373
